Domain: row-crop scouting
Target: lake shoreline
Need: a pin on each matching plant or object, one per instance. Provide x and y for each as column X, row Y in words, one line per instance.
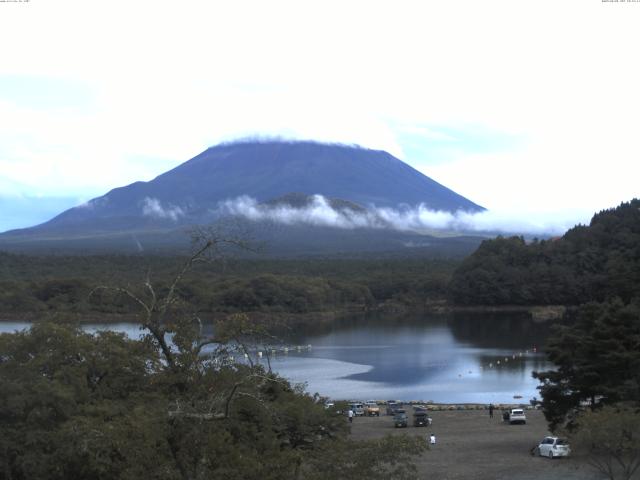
column 453, row 406
column 537, row 312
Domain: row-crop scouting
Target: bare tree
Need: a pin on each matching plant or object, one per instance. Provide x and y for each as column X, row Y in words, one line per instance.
column 159, row 315
column 178, row 332
column 610, row 439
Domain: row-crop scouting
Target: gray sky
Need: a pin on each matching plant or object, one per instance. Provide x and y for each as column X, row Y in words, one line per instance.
column 529, row 108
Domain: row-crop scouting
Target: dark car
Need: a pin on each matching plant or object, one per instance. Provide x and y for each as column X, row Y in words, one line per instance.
column 400, row 419
column 421, row 419
column 394, row 407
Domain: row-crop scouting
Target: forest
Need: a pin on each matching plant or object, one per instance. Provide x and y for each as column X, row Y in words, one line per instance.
column 39, row 285
column 589, row 263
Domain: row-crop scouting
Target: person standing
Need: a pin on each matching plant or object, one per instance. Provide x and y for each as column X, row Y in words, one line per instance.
column 491, row 410
column 350, row 414
column 432, row 439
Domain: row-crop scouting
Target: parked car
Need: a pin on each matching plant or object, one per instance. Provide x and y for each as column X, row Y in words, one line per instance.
column 400, row 419
column 554, row 447
column 371, row 409
column 392, row 407
column 358, row 409
column 421, row 419
column 515, row 415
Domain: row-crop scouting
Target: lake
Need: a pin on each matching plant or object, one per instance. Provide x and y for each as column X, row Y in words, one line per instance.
column 461, row 358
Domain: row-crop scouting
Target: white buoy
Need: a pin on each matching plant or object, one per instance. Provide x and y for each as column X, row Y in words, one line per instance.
column 498, row 362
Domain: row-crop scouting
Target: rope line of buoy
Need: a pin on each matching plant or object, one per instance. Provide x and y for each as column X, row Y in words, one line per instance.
column 503, row 360
column 267, row 350
column 273, row 350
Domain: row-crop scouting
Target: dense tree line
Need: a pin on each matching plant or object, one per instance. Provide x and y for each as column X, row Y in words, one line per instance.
column 64, row 283
column 589, row 263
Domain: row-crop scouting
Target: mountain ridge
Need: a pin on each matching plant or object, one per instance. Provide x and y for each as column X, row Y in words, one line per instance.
column 350, row 177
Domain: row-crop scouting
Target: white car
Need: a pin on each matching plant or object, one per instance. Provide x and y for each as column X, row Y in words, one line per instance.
column 515, row 415
column 554, row 447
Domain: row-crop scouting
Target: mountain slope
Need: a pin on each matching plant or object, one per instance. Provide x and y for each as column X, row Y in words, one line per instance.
column 189, row 192
column 352, row 178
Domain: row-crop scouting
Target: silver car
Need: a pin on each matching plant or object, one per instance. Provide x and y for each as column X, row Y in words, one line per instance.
column 358, row 409
column 554, row 447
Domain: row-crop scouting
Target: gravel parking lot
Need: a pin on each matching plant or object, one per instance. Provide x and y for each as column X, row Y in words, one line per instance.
column 470, row 445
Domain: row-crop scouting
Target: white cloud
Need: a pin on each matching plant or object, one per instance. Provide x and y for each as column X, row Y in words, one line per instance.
column 318, row 213
column 152, row 207
column 167, row 79
column 419, row 219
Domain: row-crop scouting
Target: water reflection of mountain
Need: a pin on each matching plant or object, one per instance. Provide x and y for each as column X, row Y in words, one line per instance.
column 413, row 357
column 428, row 349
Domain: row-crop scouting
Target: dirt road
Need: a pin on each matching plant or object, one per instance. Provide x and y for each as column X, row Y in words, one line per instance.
column 470, row 445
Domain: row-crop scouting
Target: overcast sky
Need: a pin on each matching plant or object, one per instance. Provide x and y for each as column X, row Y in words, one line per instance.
column 529, row 108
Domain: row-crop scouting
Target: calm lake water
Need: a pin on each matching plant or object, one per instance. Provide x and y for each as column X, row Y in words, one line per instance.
column 454, row 358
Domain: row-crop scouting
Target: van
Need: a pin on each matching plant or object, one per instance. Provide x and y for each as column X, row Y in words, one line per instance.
column 358, row 409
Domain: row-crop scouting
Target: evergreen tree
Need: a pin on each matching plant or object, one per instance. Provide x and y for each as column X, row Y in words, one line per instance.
column 597, row 359
column 589, row 263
